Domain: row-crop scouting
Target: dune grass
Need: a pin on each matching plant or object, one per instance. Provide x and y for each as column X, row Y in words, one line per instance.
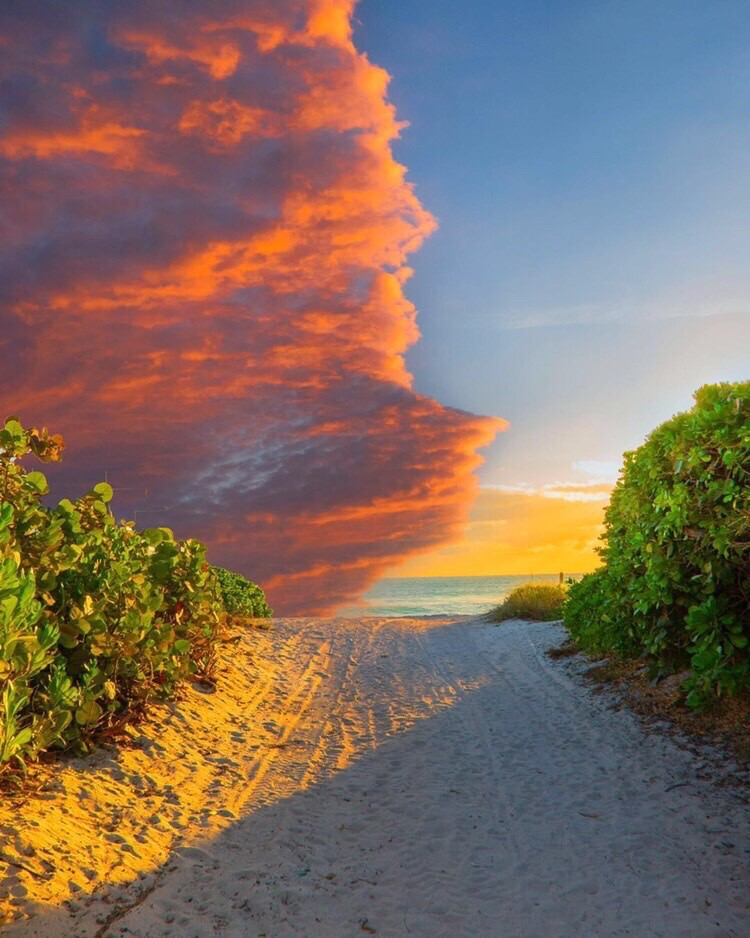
column 541, row 602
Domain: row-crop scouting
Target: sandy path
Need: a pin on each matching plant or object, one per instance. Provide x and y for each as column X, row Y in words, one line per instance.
column 437, row 778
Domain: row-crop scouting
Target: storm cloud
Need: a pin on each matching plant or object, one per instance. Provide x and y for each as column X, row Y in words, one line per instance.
column 203, row 248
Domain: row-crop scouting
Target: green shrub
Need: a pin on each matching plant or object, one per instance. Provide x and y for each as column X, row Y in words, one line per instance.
column 542, row 602
column 675, row 585
column 95, row 617
column 592, row 632
column 239, row 596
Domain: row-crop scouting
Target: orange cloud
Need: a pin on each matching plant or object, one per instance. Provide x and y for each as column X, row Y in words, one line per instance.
column 219, row 59
column 204, row 250
column 227, row 121
column 107, row 139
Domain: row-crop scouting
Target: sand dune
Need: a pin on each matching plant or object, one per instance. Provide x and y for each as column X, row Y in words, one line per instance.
column 435, row 777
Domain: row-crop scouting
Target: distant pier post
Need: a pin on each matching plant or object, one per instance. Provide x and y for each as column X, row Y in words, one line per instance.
column 561, row 579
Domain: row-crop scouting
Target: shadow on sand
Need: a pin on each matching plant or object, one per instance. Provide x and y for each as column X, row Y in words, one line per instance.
column 522, row 810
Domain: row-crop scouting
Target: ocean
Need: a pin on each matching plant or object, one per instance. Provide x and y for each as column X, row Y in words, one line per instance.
column 439, row 595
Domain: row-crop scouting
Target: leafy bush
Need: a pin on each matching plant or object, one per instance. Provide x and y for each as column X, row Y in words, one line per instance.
column 95, row 617
column 239, row 596
column 675, row 585
column 542, row 602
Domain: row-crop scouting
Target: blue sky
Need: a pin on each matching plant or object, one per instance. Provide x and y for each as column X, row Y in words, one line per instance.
column 587, row 163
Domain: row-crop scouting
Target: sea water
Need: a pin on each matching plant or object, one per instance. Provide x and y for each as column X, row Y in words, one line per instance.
column 439, row 595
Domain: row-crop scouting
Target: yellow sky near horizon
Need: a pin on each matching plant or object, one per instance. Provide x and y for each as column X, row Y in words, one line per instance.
column 517, row 530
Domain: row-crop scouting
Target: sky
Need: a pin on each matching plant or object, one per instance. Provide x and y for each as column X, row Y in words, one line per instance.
column 587, row 166
column 204, row 241
column 225, row 227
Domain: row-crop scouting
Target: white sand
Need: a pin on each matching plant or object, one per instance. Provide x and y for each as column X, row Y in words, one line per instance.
column 390, row 777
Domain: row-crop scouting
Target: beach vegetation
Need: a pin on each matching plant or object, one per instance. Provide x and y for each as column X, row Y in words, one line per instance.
column 674, row 587
column 240, row 597
column 540, row 602
column 96, row 618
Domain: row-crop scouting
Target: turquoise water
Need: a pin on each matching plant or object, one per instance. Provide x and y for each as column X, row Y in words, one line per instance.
column 438, row 595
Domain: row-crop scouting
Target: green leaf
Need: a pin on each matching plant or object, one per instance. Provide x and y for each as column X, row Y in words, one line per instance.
column 38, row 482
column 161, row 571
column 6, row 515
column 21, row 739
column 14, row 430
column 182, row 646
column 104, row 491
column 88, row 713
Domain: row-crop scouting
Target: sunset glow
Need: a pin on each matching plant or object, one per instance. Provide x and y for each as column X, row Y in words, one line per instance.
column 523, row 532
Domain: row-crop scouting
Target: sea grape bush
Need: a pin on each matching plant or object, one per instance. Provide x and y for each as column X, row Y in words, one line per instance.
column 239, row 596
column 95, row 617
column 540, row 602
column 675, row 584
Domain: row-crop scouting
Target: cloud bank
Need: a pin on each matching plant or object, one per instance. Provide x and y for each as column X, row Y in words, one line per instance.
column 203, row 249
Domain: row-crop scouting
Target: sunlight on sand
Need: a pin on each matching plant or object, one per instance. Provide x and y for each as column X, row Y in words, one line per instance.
column 195, row 766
